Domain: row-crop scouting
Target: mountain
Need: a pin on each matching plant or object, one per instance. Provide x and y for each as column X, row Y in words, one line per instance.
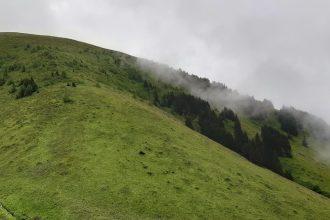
column 89, row 133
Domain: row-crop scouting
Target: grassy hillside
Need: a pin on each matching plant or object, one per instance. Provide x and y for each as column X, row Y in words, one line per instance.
column 97, row 151
column 4, row 214
column 305, row 165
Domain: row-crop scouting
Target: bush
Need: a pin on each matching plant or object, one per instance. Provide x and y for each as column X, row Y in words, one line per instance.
column 12, row 89
column 67, row 99
column 14, row 67
column 288, row 174
column 26, row 88
column 10, row 82
column 2, row 82
column 316, row 188
column 63, row 75
column 55, row 74
column 59, row 76
column 188, row 122
column 27, row 47
column 304, row 142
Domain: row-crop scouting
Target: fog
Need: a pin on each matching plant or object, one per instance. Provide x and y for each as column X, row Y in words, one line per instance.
column 217, row 94
column 274, row 49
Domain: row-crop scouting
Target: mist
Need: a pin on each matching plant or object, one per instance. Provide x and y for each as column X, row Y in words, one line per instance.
column 277, row 49
column 219, row 96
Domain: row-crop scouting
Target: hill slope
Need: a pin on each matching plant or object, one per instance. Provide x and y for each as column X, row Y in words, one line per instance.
column 308, row 135
column 96, row 151
column 305, row 165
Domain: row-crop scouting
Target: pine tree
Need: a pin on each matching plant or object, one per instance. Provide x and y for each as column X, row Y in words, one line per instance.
column 188, row 122
column 304, row 142
column 240, row 137
column 156, row 98
column 2, row 82
column 12, row 88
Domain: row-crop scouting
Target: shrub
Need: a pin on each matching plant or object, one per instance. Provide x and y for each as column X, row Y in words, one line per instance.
column 188, row 122
column 12, row 89
column 27, row 47
column 55, row 74
column 67, row 99
column 14, row 67
column 10, row 82
column 288, row 174
column 2, row 82
column 26, row 88
column 58, row 75
column 304, row 142
column 316, row 188
column 63, row 75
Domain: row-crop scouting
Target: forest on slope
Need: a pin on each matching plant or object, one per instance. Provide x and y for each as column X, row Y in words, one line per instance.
column 287, row 141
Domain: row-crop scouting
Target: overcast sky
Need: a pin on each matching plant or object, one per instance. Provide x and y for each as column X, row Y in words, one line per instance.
column 274, row 49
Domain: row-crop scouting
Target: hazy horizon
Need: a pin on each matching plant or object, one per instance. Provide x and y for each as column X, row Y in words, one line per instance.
column 276, row 50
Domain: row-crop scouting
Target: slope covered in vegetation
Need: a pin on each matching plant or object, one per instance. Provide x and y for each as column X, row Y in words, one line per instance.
column 88, row 140
column 271, row 138
column 4, row 214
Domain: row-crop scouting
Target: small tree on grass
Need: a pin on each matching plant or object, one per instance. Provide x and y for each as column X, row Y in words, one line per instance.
column 67, row 98
column 63, row 75
column 26, row 88
column 188, row 122
column 12, row 89
column 2, row 81
column 304, row 142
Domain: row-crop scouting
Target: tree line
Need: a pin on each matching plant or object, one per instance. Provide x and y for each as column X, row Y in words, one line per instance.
column 263, row 149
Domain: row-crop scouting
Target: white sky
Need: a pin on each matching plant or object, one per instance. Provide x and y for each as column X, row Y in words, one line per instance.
column 274, row 49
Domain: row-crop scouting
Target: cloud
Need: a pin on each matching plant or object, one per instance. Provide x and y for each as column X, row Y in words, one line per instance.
column 275, row 49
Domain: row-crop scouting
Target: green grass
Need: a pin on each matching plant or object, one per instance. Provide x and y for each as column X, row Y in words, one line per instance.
column 250, row 127
column 107, row 154
column 306, row 166
column 4, row 214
